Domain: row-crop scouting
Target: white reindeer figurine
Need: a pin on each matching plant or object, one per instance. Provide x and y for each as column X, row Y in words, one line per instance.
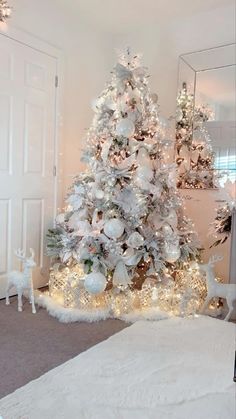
column 22, row 280
column 215, row 289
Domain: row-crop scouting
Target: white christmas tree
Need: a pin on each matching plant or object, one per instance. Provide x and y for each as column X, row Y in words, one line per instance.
column 194, row 153
column 123, row 232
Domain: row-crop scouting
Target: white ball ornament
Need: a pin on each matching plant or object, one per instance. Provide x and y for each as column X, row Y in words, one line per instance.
column 99, row 194
column 114, row 228
column 125, row 128
column 95, row 283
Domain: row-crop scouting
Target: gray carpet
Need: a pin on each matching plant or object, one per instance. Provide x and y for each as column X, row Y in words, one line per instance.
column 32, row 344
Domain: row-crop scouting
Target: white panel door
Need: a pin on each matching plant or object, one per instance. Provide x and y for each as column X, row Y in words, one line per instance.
column 27, row 147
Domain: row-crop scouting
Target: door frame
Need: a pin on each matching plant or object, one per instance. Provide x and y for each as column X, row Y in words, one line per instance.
column 31, row 41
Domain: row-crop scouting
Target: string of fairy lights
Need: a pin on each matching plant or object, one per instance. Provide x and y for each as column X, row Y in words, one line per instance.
column 183, row 296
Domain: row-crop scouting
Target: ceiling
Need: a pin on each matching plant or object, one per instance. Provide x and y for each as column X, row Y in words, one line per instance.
column 209, row 59
column 120, row 15
column 215, row 71
column 218, row 85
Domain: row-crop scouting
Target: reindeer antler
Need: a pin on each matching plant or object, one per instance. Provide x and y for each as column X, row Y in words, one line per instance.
column 32, row 253
column 20, row 254
column 215, row 258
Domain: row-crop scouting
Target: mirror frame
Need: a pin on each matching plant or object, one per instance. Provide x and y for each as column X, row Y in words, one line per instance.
column 187, row 73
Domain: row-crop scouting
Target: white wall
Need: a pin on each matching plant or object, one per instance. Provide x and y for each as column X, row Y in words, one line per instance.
column 84, row 49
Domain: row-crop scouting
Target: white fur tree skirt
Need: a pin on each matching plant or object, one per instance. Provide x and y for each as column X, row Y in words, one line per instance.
column 172, row 369
column 70, row 315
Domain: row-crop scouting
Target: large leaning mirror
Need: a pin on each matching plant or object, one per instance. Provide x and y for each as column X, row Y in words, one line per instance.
column 205, row 118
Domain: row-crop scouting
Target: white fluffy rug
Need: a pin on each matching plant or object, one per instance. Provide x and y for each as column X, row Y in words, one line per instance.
column 172, row 369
